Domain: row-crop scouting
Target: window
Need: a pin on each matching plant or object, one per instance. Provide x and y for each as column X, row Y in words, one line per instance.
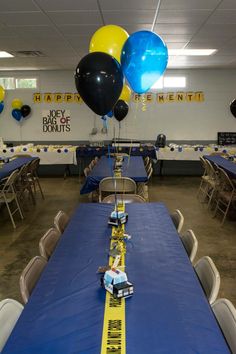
column 158, row 84
column 175, row 81
column 26, row 83
column 169, row 81
column 12, row 83
column 8, row 83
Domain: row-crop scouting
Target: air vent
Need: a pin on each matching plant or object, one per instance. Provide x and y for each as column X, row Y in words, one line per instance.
column 29, row 53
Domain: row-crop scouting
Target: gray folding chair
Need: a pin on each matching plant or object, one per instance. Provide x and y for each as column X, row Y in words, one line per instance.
column 209, row 277
column 60, row 221
column 10, row 311
column 110, row 185
column 190, row 243
column 48, row 242
column 178, row 219
column 225, row 313
column 8, row 195
column 30, row 276
column 125, row 198
column 87, row 171
column 33, row 176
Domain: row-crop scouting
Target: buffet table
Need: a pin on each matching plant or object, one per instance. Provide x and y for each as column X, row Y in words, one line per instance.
column 168, row 313
column 191, row 153
column 48, row 154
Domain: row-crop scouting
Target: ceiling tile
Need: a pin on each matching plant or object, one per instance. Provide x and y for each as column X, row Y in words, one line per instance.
column 6, row 32
column 20, row 5
column 176, row 38
column 76, row 18
column 23, row 18
column 183, row 16
column 175, row 45
column 189, row 4
column 45, row 31
column 227, row 5
column 128, row 17
column 68, row 5
column 128, row 5
column 176, row 28
column 223, row 17
column 78, row 29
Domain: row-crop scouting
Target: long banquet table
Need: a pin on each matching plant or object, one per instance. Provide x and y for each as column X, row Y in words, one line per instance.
column 13, row 165
column 228, row 166
column 132, row 167
column 168, row 312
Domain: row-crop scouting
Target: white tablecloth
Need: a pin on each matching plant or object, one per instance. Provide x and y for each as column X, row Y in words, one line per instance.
column 49, row 155
column 190, row 153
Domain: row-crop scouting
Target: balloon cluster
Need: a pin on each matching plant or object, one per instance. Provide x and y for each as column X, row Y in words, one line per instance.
column 233, row 108
column 141, row 57
column 2, row 96
column 19, row 110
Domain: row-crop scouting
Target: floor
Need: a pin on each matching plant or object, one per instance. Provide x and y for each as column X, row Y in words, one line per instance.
column 20, row 245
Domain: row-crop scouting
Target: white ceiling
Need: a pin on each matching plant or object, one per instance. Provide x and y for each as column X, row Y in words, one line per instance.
column 62, row 29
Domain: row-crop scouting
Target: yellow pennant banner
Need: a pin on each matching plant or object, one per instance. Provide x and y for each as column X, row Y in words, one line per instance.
column 114, row 332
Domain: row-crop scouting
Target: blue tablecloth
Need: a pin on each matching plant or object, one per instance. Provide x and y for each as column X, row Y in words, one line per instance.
column 228, row 166
column 168, row 312
column 13, row 165
column 92, row 151
column 132, row 167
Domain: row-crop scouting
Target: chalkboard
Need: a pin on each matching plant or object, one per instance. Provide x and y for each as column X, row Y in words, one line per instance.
column 226, row 138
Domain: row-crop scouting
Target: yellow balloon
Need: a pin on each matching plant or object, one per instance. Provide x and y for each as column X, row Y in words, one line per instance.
column 125, row 93
column 109, row 39
column 2, row 93
column 17, row 103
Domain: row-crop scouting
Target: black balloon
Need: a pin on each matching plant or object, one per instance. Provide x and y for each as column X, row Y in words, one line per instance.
column 233, row 108
column 99, row 81
column 120, row 110
column 25, row 110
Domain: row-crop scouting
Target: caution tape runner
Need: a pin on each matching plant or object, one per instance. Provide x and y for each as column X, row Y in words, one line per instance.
column 114, row 333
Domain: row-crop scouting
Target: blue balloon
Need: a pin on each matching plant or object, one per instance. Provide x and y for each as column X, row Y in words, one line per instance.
column 110, row 114
column 144, row 59
column 16, row 113
column 1, row 106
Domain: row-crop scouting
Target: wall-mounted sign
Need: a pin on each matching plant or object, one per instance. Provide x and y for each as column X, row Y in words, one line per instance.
column 170, row 97
column 56, row 121
column 49, row 97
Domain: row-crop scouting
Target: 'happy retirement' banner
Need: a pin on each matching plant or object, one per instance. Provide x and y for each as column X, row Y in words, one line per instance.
column 169, row 97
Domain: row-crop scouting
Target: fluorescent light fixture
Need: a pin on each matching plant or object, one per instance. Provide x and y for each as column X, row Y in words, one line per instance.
column 5, row 55
column 197, row 52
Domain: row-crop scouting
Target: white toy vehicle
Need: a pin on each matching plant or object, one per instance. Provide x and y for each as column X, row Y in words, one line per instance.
column 115, row 281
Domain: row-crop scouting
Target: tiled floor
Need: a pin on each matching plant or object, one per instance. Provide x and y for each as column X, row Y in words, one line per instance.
column 19, row 246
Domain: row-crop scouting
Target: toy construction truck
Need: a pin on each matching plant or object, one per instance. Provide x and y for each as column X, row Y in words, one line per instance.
column 115, row 281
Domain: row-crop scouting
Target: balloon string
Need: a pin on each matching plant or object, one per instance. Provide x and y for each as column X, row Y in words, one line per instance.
column 131, row 145
column 100, row 11
column 156, row 13
column 20, row 132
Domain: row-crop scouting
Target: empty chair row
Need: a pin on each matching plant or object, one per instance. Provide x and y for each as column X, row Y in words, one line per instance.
column 205, row 268
column 47, row 244
column 216, row 187
column 13, row 188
